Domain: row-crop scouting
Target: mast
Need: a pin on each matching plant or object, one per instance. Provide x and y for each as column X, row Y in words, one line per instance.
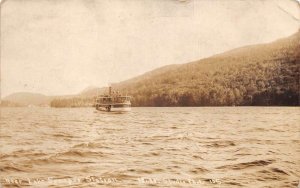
column 109, row 90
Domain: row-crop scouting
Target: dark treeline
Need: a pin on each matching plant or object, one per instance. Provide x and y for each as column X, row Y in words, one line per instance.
column 263, row 75
column 72, row 102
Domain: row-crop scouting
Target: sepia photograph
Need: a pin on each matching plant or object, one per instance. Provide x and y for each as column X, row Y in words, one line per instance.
column 150, row 93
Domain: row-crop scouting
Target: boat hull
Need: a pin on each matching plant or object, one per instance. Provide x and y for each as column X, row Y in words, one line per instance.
column 125, row 109
column 114, row 108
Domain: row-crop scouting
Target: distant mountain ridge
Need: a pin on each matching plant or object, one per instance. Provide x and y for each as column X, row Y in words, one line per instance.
column 263, row 74
column 27, row 98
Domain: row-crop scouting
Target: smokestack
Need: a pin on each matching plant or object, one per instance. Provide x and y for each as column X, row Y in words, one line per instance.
column 109, row 90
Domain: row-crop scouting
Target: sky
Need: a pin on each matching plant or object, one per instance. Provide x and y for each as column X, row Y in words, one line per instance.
column 58, row 47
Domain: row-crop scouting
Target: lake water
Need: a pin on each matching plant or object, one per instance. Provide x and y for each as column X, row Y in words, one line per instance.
column 158, row 147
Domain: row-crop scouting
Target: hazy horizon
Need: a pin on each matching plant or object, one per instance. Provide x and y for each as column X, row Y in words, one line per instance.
column 57, row 52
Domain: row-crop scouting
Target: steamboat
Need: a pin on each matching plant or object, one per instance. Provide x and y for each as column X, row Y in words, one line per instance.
column 113, row 102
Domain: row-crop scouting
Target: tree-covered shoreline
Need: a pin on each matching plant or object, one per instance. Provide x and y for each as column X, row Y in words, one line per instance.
column 255, row 75
column 261, row 75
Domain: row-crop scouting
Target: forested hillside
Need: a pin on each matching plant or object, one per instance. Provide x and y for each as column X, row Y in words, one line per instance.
column 266, row 74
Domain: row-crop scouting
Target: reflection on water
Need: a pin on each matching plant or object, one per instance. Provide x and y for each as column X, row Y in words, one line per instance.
column 163, row 147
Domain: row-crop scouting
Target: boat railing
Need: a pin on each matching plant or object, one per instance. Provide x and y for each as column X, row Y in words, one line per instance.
column 113, row 99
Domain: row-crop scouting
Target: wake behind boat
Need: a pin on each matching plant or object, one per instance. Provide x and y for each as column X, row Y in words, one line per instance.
column 113, row 102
